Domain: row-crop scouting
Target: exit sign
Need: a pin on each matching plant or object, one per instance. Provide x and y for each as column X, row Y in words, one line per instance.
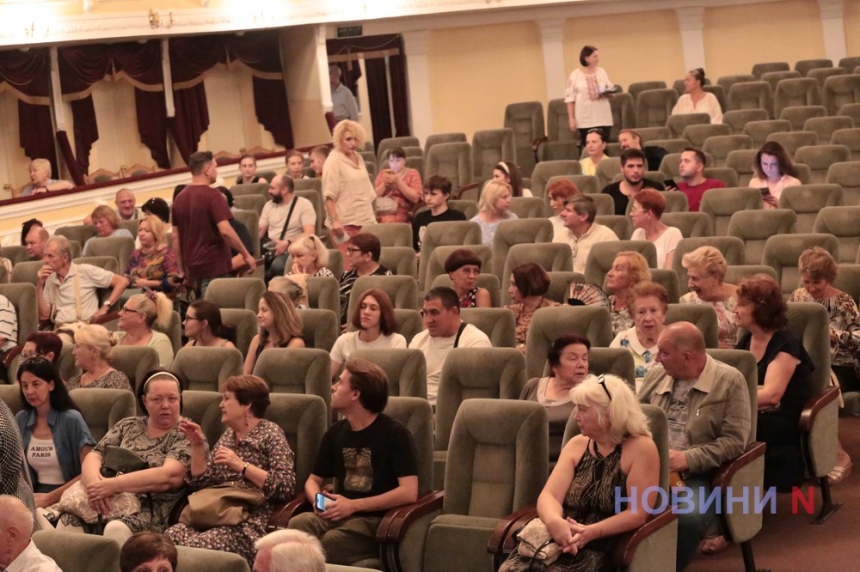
column 348, row 31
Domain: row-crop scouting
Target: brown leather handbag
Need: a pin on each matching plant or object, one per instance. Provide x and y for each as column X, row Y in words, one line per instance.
column 227, row 504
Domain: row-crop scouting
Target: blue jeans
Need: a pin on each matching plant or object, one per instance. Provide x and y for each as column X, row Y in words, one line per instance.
column 692, row 527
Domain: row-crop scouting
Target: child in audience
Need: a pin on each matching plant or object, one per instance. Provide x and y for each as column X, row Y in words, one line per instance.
column 295, row 161
column 437, row 191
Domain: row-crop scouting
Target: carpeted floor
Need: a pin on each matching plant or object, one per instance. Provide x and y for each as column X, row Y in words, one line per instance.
column 789, row 542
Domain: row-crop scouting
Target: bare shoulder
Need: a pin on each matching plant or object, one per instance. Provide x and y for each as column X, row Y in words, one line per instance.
column 639, row 447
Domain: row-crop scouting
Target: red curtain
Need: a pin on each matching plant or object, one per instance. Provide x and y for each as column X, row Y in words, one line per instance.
column 190, row 120
column 377, row 94
column 400, row 105
column 36, row 133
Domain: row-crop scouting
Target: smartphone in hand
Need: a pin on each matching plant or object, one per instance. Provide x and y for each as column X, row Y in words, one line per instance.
column 320, row 502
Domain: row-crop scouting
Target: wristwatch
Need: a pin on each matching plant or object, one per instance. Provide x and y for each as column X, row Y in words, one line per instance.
column 244, row 468
column 107, row 303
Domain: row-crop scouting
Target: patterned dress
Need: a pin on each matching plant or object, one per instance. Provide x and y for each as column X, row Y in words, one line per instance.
column 155, row 265
column 111, row 380
column 590, row 499
column 523, row 319
column 844, row 325
column 621, row 319
column 264, row 447
column 726, row 326
column 130, row 433
column 412, row 178
column 470, row 299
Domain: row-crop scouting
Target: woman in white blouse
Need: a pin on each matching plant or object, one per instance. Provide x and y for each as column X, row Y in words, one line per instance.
column 648, row 207
column 586, row 96
column 697, row 100
column 773, row 173
column 373, row 319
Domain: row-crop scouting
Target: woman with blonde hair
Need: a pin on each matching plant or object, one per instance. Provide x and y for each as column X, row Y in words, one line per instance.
column 138, row 315
column 818, row 270
column 106, row 223
column 93, row 348
column 613, row 451
column 280, row 327
column 153, row 265
column 346, row 187
column 628, row 269
column 494, row 206
column 706, row 269
column 310, row 256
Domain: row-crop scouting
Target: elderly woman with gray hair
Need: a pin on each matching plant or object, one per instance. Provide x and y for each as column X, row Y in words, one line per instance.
column 706, row 271
column 41, row 181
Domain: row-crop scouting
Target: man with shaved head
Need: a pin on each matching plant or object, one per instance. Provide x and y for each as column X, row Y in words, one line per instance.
column 707, row 405
column 17, row 551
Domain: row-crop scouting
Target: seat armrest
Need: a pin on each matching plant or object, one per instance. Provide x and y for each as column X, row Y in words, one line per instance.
column 283, row 512
column 395, row 523
column 723, row 475
column 814, row 405
column 502, row 540
column 105, row 318
column 11, row 354
column 537, row 142
column 625, row 546
column 465, row 188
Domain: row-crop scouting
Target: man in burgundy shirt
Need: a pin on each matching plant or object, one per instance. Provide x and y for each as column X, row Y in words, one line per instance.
column 202, row 235
column 695, row 184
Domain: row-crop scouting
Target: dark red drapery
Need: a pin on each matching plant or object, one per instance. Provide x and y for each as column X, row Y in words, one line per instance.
column 37, row 133
column 377, row 94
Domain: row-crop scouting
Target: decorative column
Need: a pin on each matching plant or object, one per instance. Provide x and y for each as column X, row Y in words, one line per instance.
column 56, row 94
column 167, row 78
column 415, row 43
column 833, row 27
column 552, row 43
column 322, row 69
column 691, row 25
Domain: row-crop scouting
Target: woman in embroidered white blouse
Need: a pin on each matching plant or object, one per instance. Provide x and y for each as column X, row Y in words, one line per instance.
column 697, row 100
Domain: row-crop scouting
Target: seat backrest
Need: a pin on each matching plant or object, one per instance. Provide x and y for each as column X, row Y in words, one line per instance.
column 519, row 231
column 391, row 233
column 808, row 200
column 409, row 323
column 811, row 323
column 406, row 370
column 591, row 322
column 623, row 107
column 400, row 260
column 103, row 408
column 795, row 92
column 25, row 272
column 559, row 284
column 437, row 138
column 261, row 189
column 738, row 118
column 602, row 254
column 544, row 170
column 719, row 147
column 489, row 147
column 654, row 107
column 434, row 265
column 528, row 207
column 759, row 131
column 800, row 114
column 727, row 81
column 635, row 88
column 497, row 323
column 840, row 90
column 108, row 263
column 678, row 123
column 324, row 293
column 386, row 145
column 550, row 256
column 296, row 370
column 557, row 125
column 819, row 158
column 497, row 459
column 203, row 560
column 762, row 68
column 242, row 293
column 23, row 298
column 848, row 137
column 10, row 394
column 244, row 324
column 721, row 204
column 401, row 290
column 205, row 369
column 805, row 66
column 203, row 407
column 698, row 134
column 120, row 247
column 251, row 203
column 756, row 226
column 702, row 316
column 841, row 222
column 319, row 328
column 731, row 247
column 734, row 273
column 744, row 362
column 304, row 420
column 416, row 415
column 75, row 552
column 451, row 160
column 824, row 127
column 134, row 362
column 668, row 279
column 845, row 174
column 525, row 119
column 742, row 162
column 457, row 233
column 794, row 140
column 751, row 95
column 15, row 252
column 79, row 232
column 782, row 252
column 694, row 224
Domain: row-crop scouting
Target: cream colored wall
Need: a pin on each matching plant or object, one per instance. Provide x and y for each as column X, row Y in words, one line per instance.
column 303, row 86
column 119, row 142
column 736, row 37
column 13, row 162
column 475, row 72
column 633, row 47
column 852, row 27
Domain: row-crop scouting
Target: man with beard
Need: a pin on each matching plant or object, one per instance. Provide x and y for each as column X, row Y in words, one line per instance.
column 633, row 169
column 691, row 168
column 285, row 219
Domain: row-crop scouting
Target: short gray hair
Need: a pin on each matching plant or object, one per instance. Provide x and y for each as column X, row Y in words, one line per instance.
column 293, row 551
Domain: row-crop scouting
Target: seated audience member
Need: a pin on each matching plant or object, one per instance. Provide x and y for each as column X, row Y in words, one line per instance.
column 494, row 206
column 27, row 226
column 347, row 526
column 595, row 147
column 648, row 303
column 203, row 326
column 463, row 267
column 633, row 181
column 243, row 233
column 783, row 370
column 688, row 380
column 706, row 269
column 138, row 315
column 628, row 269
column 318, row 156
column 19, row 552
column 54, row 434
column 286, row 218
column 648, row 207
column 93, row 348
column 694, row 185
column 568, row 362
column 158, row 207
column 156, row 438
column 8, row 325
column 41, row 181
column 613, row 450
column 437, row 191
column 310, row 257
column 251, row 449
column 508, row 172
column 696, row 99
column 630, row 139
column 288, row 550
column 294, row 286
column 106, row 223
column 45, row 344
column 153, row 265
column 398, row 189
column 295, row 161
column 529, row 283
column 375, row 328
column 280, row 327
column 363, row 251
column 443, row 331
column 774, row 171
column 148, row 552
column 64, row 301
column 126, row 208
column 558, row 192
column 581, row 231
column 818, row 270
column 35, row 241
column 248, row 171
